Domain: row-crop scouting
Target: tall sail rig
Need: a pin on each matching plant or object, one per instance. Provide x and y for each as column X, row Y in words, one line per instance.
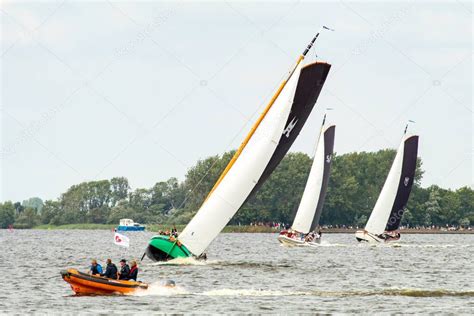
column 312, row 79
column 239, row 177
column 386, row 216
column 311, row 205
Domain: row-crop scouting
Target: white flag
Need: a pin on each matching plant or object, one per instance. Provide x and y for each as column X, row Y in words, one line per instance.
column 121, row 240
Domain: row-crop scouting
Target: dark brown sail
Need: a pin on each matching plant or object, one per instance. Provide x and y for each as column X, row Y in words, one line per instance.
column 329, row 135
column 410, row 152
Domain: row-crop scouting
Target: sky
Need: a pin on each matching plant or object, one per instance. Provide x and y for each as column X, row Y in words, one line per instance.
column 96, row 89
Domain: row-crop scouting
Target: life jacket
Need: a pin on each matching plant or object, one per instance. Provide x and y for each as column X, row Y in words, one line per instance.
column 133, row 273
column 97, row 269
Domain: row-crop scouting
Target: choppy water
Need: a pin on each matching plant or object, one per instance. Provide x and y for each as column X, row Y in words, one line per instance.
column 246, row 273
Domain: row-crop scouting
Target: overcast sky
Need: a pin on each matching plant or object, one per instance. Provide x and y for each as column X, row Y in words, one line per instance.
column 93, row 90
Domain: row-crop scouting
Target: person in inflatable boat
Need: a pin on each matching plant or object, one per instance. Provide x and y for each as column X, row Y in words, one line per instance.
column 124, row 270
column 133, row 271
column 95, row 268
column 110, row 270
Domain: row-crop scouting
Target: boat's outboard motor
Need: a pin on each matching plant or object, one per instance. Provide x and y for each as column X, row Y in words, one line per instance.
column 169, row 283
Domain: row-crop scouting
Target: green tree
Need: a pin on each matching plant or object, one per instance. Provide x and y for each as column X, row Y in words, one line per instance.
column 354, row 185
column 278, row 198
column 18, row 207
column 51, row 209
column 27, row 219
column 7, row 214
column 121, row 210
column 465, row 222
column 201, row 178
column 34, row 203
column 431, row 208
column 361, row 221
column 119, row 189
column 466, row 203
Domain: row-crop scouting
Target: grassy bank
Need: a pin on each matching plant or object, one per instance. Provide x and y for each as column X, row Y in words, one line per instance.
column 245, row 229
column 156, row 228
column 77, row 226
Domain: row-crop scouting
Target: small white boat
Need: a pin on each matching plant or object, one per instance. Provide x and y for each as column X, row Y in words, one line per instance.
column 363, row 235
column 384, row 221
column 302, row 232
column 127, row 224
column 294, row 238
column 291, row 239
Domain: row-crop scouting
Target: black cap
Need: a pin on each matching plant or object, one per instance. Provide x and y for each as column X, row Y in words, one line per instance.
column 123, row 260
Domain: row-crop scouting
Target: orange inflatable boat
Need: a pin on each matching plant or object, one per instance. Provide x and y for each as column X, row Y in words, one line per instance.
column 85, row 284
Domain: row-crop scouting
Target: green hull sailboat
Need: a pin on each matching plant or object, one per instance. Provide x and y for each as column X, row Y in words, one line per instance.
column 261, row 151
column 163, row 248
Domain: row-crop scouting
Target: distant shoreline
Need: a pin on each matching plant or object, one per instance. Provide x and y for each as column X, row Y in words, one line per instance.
column 402, row 231
column 242, row 229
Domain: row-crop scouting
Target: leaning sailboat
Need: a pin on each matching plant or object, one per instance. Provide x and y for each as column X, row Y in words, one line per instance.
column 302, row 232
column 262, row 146
column 384, row 221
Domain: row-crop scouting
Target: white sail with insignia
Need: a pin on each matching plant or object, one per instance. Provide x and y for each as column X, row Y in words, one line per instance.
column 381, row 212
column 229, row 195
column 309, row 201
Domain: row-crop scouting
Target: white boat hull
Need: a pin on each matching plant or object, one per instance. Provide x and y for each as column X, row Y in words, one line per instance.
column 365, row 236
column 292, row 242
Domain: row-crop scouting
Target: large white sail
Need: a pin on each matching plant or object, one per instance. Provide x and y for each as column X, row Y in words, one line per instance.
column 309, row 201
column 379, row 217
column 229, row 195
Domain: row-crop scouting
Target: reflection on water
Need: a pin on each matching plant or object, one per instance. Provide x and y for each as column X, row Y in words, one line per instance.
column 247, row 273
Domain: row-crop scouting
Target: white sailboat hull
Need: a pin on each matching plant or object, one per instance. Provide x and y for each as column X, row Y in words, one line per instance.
column 297, row 242
column 290, row 242
column 365, row 236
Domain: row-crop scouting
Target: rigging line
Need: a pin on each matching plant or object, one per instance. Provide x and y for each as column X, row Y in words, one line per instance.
column 320, row 132
column 227, row 147
column 262, row 116
column 250, row 134
column 242, row 146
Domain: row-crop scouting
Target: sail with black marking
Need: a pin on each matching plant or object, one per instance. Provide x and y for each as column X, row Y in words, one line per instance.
column 246, row 167
column 410, row 152
column 311, row 205
column 391, row 203
column 312, row 79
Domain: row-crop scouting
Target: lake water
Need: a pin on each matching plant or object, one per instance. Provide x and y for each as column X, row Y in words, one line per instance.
column 246, row 273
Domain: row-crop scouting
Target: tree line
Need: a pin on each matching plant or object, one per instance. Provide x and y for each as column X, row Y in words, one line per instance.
column 354, row 185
